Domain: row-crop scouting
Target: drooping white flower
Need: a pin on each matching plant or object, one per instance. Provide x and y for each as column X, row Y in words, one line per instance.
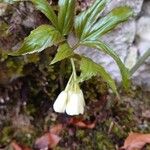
column 76, row 103
column 71, row 99
column 61, row 102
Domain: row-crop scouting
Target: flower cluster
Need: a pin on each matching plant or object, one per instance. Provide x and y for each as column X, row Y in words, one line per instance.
column 71, row 100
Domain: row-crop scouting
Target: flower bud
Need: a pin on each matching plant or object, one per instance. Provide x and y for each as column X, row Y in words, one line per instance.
column 75, row 104
column 61, row 102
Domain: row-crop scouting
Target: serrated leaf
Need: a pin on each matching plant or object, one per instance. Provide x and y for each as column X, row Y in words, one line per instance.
column 64, row 51
column 109, row 22
column 106, row 49
column 86, row 19
column 90, row 68
column 47, row 10
column 39, row 39
column 66, row 15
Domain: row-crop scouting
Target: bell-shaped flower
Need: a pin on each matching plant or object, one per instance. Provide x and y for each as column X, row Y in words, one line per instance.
column 71, row 99
column 75, row 104
column 61, row 102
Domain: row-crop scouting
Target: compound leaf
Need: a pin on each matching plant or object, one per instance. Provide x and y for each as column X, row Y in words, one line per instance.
column 64, row 51
column 106, row 49
column 109, row 22
column 66, row 15
column 90, row 68
column 47, row 10
column 86, row 19
column 39, row 39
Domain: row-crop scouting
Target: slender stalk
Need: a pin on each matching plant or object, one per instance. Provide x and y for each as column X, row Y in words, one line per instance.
column 140, row 62
column 73, row 68
column 69, row 82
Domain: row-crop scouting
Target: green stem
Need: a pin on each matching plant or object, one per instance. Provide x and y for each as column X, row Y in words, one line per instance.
column 69, row 82
column 140, row 62
column 73, row 68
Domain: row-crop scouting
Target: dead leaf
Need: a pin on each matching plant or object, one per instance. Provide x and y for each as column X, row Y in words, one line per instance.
column 50, row 139
column 56, row 129
column 81, row 123
column 47, row 141
column 136, row 141
column 15, row 146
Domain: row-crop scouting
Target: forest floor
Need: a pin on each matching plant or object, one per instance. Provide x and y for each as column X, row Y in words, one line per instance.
column 29, row 86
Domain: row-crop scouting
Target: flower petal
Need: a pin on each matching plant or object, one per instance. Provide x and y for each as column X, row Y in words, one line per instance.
column 75, row 104
column 60, row 103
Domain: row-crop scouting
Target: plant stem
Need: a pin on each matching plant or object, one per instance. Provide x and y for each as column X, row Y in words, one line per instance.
column 73, row 68
column 69, row 82
column 140, row 62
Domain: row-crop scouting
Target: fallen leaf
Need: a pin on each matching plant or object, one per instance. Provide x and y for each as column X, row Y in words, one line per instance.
column 56, row 129
column 47, row 141
column 136, row 141
column 50, row 139
column 81, row 123
column 16, row 146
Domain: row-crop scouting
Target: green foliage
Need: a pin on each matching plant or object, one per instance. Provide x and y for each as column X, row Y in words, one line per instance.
column 47, row 10
column 64, row 51
column 66, row 15
column 140, row 62
column 89, row 69
column 87, row 18
column 42, row 37
column 106, row 49
column 88, row 26
column 110, row 21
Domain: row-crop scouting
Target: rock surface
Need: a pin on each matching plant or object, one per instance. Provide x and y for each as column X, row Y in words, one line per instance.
column 130, row 40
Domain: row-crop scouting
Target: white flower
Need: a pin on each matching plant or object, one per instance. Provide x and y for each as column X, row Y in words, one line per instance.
column 61, row 102
column 75, row 104
column 71, row 99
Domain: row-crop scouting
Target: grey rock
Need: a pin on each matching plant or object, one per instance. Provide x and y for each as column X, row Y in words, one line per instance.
column 146, row 8
column 131, row 57
column 142, row 75
column 119, row 40
column 143, row 28
column 134, row 4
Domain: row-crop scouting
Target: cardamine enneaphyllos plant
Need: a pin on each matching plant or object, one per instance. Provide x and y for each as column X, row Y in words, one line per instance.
column 88, row 27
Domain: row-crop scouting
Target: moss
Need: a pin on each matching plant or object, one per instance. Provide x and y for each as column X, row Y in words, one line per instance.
column 94, row 88
column 80, row 134
column 103, row 142
column 25, row 138
column 6, row 135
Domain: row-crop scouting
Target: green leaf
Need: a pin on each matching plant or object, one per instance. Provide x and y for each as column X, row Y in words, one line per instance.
column 105, row 48
column 47, row 10
column 86, row 19
column 64, row 51
column 110, row 21
column 39, row 39
column 140, row 62
column 66, row 15
column 90, row 68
